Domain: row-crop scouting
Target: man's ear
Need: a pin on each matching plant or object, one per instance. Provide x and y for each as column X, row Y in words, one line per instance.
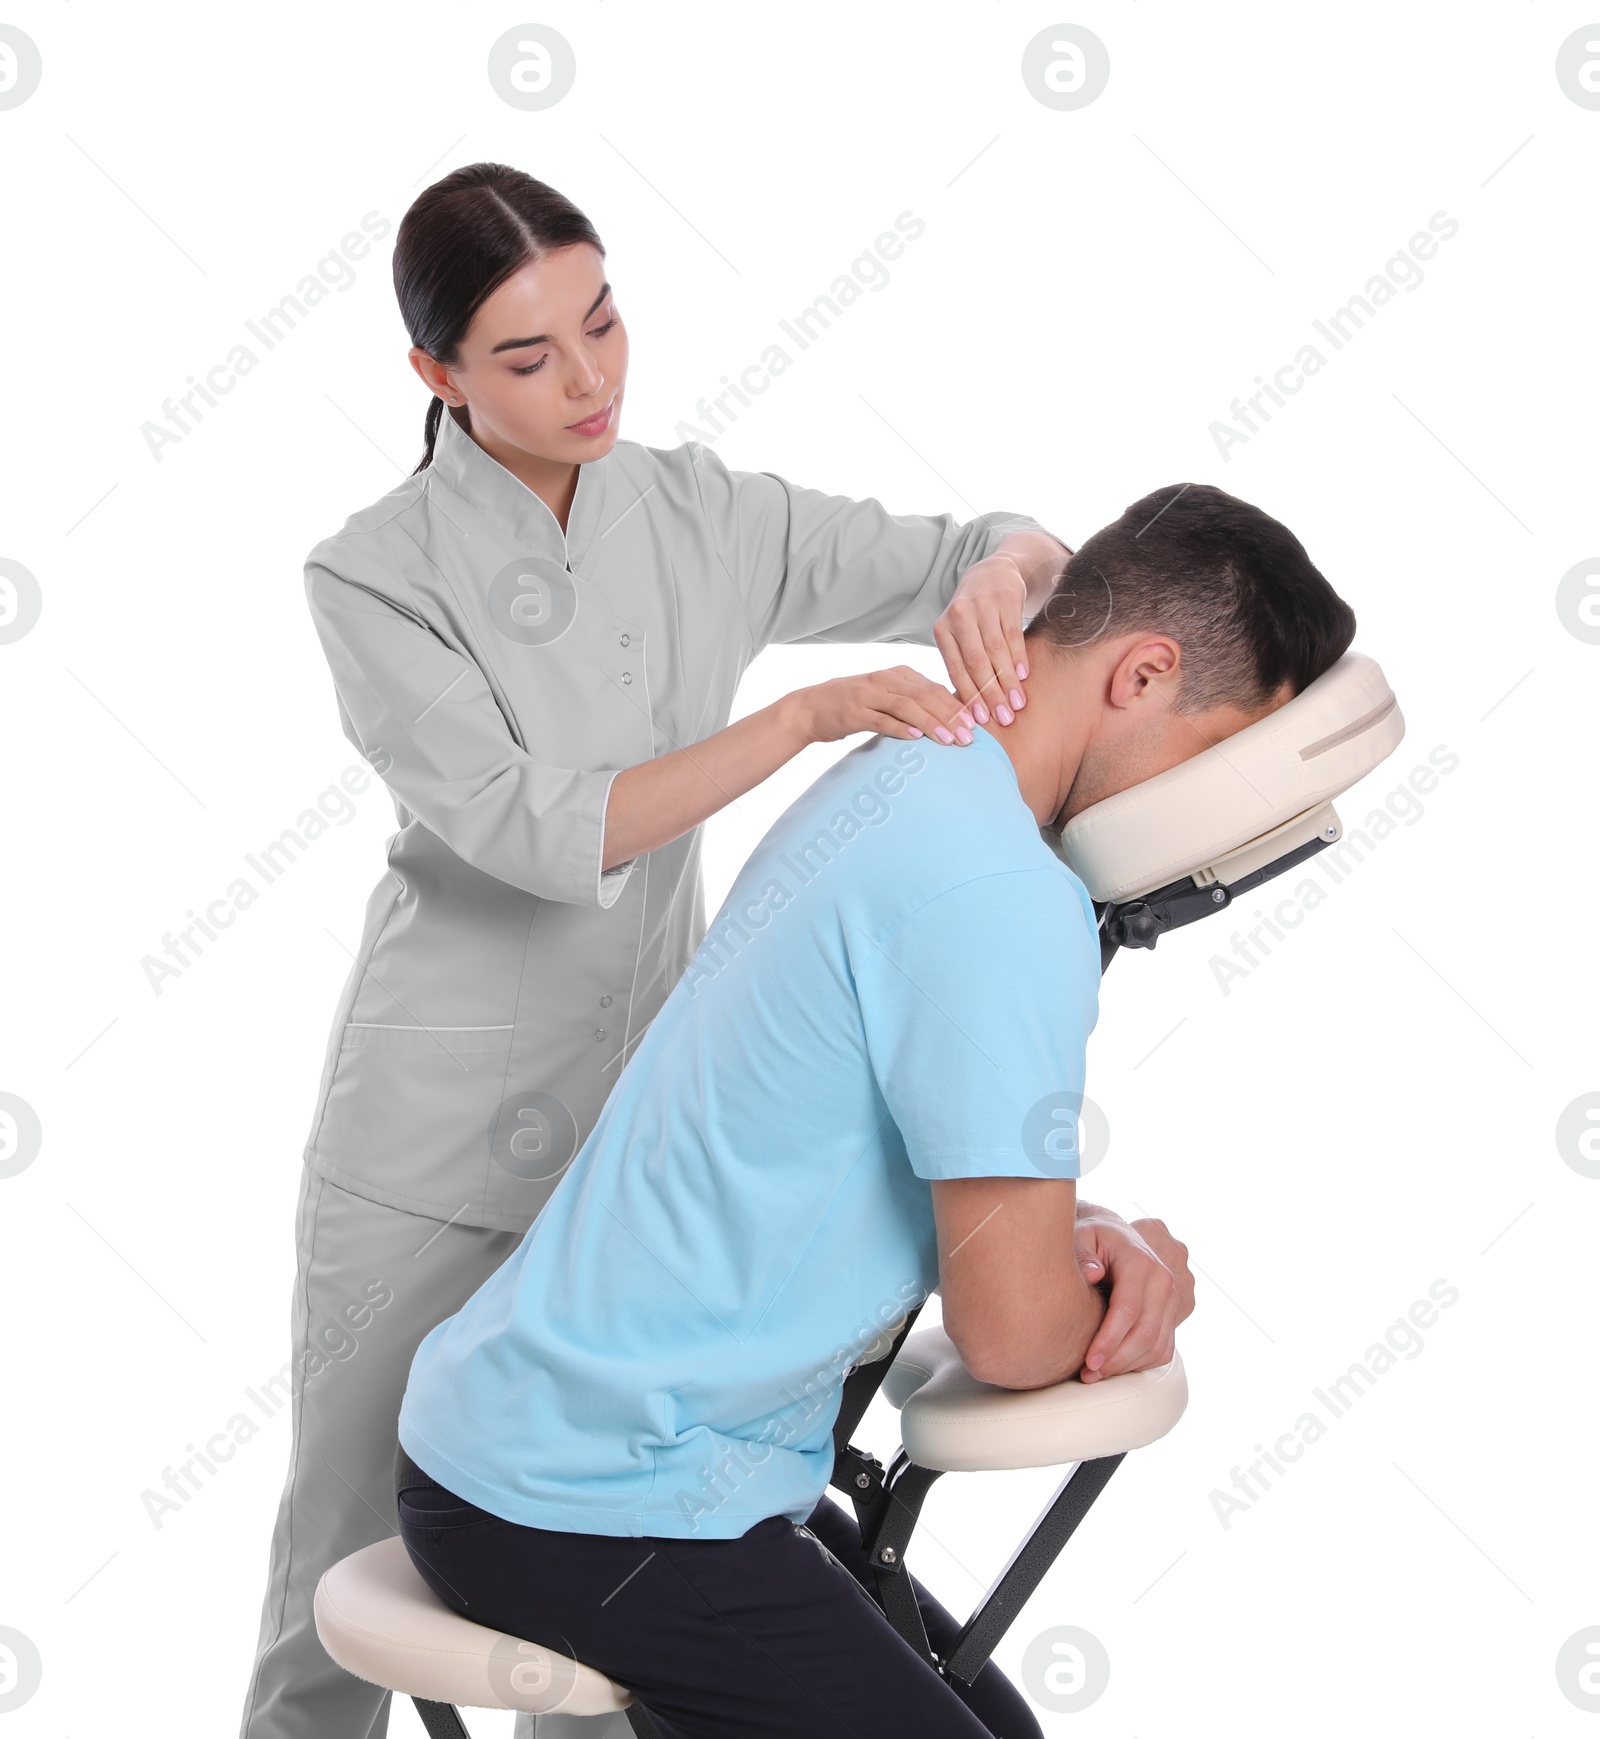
column 1149, row 670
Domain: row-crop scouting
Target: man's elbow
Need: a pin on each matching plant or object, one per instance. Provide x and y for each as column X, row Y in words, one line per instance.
column 1039, row 1358
column 1014, row 1368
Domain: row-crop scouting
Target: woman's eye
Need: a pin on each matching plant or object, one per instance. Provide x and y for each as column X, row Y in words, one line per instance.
column 595, row 332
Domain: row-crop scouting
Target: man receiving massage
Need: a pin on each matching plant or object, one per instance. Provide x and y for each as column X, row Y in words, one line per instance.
column 619, row 1446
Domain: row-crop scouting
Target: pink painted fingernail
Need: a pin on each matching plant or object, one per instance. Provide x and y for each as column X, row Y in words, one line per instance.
column 963, row 735
column 1016, row 698
column 1003, row 713
column 942, row 734
column 1022, row 672
column 980, row 712
column 913, row 730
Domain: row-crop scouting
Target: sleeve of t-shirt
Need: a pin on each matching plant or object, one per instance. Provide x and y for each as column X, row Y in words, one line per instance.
column 977, row 1010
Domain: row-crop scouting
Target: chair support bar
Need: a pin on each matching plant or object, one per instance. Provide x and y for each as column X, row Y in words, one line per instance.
column 440, row 1719
column 858, row 1388
column 1015, row 1584
column 888, row 1505
column 905, row 1488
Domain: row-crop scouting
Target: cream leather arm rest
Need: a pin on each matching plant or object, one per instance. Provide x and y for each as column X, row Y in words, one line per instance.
column 951, row 1422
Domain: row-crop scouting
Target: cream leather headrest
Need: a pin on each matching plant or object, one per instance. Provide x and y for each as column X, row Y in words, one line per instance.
column 1252, row 796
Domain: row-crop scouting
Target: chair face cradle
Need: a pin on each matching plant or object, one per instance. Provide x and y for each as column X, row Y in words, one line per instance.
column 1188, row 842
column 1154, row 857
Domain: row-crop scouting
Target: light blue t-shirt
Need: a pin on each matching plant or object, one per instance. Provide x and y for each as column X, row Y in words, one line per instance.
column 899, row 987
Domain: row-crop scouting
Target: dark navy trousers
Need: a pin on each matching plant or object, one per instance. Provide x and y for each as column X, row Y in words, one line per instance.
column 773, row 1634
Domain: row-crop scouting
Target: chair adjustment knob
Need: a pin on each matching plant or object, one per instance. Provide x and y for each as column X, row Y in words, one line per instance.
column 1138, row 925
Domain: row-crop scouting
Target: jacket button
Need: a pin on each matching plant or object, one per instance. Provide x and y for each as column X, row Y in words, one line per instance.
column 605, row 1002
column 626, row 676
column 599, row 1033
column 624, row 640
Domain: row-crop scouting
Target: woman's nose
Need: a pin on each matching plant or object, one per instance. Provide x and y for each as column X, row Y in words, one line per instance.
column 586, row 378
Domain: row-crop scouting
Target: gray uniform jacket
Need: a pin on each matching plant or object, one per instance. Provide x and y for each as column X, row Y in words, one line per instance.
column 498, row 675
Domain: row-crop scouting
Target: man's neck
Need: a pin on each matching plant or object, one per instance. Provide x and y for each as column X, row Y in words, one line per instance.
column 1044, row 739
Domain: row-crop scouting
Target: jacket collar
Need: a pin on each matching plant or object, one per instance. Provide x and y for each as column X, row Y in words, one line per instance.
column 486, row 485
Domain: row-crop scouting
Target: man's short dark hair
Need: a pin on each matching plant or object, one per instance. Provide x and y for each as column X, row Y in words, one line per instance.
column 1232, row 586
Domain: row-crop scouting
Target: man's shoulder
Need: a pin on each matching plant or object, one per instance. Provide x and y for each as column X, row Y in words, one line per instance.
column 952, row 808
column 899, row 823
column 909, row 802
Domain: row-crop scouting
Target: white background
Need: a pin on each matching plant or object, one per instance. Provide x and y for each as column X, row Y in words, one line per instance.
column 1369, row 1110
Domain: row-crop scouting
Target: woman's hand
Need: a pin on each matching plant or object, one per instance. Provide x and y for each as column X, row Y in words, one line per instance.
column 980, row 638
column 661, row 799
column 899, row 703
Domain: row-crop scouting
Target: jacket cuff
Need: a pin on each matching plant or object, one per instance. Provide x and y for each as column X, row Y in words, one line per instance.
column 1001, row 525
column 609, row 883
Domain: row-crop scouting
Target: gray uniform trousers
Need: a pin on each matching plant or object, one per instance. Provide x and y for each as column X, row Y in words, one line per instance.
column 371, row 1281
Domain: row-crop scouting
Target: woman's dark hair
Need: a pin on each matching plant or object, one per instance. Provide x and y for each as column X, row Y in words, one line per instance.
column 460, row 240
column 1232, row 586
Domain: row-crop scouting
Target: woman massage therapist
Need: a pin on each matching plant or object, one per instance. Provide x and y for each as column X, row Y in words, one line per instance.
column 535, row 640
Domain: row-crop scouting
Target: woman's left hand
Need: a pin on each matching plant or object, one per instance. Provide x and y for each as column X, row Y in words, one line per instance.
column 980, row 638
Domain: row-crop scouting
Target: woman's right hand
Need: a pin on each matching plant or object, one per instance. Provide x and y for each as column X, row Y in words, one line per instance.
column 900, row 702
column 659, row 800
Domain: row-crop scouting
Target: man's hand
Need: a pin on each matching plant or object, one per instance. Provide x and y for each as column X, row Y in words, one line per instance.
column 1176, row 1257
column 1151, row 1291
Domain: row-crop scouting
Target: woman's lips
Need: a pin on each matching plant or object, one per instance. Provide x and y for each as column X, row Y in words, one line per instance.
column 595, row 425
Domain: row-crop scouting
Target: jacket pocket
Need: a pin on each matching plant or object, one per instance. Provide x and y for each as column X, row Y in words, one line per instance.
column 408, row 1111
